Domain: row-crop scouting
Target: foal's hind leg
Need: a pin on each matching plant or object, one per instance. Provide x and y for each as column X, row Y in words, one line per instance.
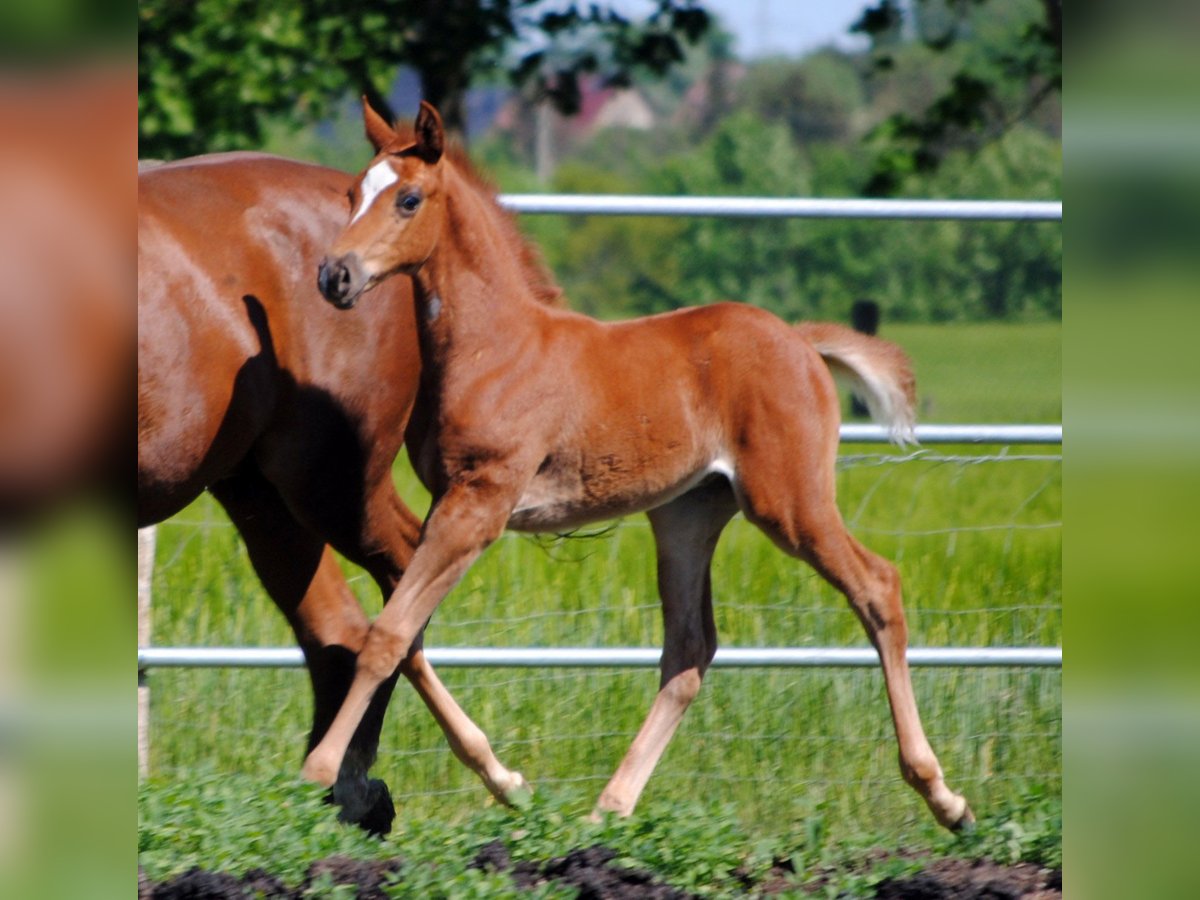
column 811, row 527
column 686, row 532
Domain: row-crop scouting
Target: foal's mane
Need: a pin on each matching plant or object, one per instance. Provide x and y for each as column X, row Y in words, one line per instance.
column 537, row 276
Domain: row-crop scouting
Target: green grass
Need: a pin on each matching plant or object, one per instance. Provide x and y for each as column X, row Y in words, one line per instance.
column 238, row 823
column 978, row 546
column 985, row 372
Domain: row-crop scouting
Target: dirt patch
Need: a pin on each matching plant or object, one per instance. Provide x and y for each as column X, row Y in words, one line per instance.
column 197, row 884
column 592, row 871
column 960, row 879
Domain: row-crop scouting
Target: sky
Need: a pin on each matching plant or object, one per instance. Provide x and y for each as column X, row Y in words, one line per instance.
column 788, row 27
column 768, row 27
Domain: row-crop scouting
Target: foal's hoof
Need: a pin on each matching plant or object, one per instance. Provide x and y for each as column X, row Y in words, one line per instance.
column 965, row 823
column 609, row 807
column 957, row 817
column 518, row 793
column 374, row 814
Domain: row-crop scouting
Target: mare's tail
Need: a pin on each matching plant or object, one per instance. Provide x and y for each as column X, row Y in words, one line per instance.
column 877, row 371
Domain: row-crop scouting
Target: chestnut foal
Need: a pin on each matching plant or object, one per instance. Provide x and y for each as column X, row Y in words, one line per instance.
column 539, row 419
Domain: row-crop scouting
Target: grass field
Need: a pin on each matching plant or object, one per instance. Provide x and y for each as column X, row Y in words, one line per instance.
column 978, row 544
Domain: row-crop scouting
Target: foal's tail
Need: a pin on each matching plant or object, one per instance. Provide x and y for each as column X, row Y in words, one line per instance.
column 877, row 371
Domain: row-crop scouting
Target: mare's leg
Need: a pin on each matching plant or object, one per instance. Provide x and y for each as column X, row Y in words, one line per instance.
column 304, row 580
column 800, row 515
column 460, row 526
column 686, row 532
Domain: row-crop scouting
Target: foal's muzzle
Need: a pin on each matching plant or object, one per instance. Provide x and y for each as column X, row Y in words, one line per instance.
column 341, row 280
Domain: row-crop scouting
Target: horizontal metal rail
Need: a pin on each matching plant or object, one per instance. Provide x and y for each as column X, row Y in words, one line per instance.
column 959, row 434
column 614, row 657
column 783, row 207
column 643, row 657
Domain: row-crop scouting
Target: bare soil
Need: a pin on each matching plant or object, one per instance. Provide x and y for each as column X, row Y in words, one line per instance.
column 592, row 871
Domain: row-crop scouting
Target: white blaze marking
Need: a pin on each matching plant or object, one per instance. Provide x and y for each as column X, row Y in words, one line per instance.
column 378, row 179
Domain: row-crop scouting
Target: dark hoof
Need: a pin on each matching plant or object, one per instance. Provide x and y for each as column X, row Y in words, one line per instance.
column 376, row 813
column 380, row 814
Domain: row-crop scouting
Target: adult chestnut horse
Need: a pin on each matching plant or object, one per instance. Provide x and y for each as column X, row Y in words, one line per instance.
column 540, row 419
column 66, row 328
column 291, row 414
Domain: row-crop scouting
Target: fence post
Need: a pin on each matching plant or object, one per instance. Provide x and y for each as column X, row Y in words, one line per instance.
column 145, row 577
column 864, row 318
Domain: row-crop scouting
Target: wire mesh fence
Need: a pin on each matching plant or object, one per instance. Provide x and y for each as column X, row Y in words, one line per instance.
column 977, row 538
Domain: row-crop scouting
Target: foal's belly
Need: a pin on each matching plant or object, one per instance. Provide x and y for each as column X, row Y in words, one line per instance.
column 560, row 499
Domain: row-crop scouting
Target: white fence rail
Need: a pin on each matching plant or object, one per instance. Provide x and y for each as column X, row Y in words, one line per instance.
column 782, row 207
column 614, row 657
column 648, row 657
column 959, row 434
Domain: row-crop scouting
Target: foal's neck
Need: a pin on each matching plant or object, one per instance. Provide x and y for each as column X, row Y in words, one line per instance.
column 473, row 290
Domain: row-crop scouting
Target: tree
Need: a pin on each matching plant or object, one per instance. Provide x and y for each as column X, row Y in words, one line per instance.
column 211, row 71
column 1001, row 78
column 817, row 97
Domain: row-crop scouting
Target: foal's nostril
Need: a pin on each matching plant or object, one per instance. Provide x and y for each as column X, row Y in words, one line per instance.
column 333, row 279
column 340, row 280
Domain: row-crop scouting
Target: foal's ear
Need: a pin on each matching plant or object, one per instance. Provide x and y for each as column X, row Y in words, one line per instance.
column 431, row 139
column 379, row 132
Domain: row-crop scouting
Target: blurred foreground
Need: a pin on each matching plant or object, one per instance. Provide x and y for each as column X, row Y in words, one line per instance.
column 67, row 337
column 1131, row 375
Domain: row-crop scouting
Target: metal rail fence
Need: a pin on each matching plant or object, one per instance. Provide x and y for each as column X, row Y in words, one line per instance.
column 742, row 207
column 613, row 657
column 782, row 207
column 648, row 657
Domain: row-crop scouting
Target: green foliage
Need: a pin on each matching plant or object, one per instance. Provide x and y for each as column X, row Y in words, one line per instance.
column 212, row 73
column 918, row 271
column 698, row 846
column 1002, row 64
column 1030, row 830
column 61, row 29
column 236, row 824
column 819, row 97
column 233, row 823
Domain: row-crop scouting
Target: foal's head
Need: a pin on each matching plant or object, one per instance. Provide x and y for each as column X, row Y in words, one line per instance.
column 397, row 209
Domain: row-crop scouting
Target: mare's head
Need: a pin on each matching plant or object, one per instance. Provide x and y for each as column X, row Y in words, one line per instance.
column 397, row 209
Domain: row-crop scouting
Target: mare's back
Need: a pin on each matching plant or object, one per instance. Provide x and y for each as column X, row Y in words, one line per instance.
column 234, row 216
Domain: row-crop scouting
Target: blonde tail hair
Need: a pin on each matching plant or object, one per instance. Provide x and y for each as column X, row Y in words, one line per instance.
column 878, row 372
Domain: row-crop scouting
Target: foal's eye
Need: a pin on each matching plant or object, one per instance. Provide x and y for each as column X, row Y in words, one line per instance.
column 408, row 203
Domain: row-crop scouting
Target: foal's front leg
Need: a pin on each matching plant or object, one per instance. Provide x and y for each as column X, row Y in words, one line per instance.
column 461, row 525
